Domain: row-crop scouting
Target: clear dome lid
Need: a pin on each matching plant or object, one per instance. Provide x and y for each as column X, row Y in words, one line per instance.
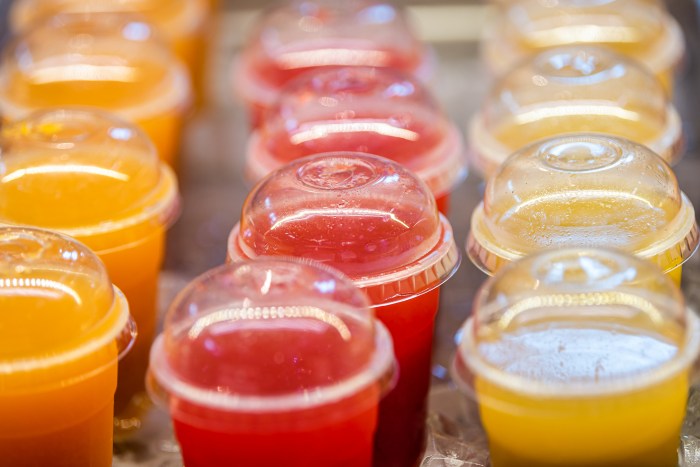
column 269, row 335
column 373, row 110
column 574, row 89
column 111, row 61
column 576, row 322
column 583, row 190
column 84, row 173
column 367, row 216
column 299, row 35
column 172, row 17
column 58, row 311
column 641, row 29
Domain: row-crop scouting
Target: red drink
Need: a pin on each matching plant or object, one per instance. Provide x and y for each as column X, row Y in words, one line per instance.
column 378, row 223
column 377, row 111
column 279, row 353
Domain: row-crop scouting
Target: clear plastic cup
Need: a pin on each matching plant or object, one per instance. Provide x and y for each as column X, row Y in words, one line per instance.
column 272, row 362
column 580, row 357
column 182, row 23
column 374, row 110
column 377, row 222
column 641, row 29
column 98, row 179
column 111, row 61
column 582, row 191
column 296, row 36
column 63, row 326
column 568, row 90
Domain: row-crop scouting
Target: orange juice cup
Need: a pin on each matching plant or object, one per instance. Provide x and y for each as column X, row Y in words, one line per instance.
column 378, row 223
column 580, row 357
column 583, row 190
column 640, row 29
column 295, row 37
column 97, row 179
column 111, row 61
column 182, row 23
column 63, row 327
column 376, row 110
column 573, row 89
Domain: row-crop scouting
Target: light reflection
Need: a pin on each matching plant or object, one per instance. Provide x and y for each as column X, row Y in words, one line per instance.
column 303, row 214
column 66, row 169
column 33, row 286
column 573, row 109
column 584, row 33
column 84, row 72
column 322, row 130
column 270, row 313
column 332, row 57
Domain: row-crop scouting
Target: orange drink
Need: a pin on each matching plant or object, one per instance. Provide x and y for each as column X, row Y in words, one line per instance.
column 580, row 357
column 640, row 29
column 573, row 89
column 583, row 190
column 98, row 179
column 62, row 328
column 181, row 23
column 110, row 61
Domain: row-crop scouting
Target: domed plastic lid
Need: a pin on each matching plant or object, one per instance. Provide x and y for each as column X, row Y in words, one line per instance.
column 267, row 336
column 300, row 35
column 367, row 216
column 84, row 173
column 374, row 110
column 576, row 322
column 173, row 17
column 58, row 311
column 641, row 29
column 583, row 190
column 110, row 61
column 569, row 90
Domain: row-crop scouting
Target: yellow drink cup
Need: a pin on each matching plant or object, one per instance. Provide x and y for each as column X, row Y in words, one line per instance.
column 573, row 89
column 181, row 23
column 580, row 358
column 97, row 179
column 62, row 328
column 583, row 190
column 109, row 61
column 640, row 29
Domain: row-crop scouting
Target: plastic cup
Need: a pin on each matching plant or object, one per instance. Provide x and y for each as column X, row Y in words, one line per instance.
column 63, row 326
column 275, row 353
column 379, row 111
column 580, row 357
column 182, row 23
column 641, row 29
column 587, row 190
column 568, row 90
column 377, row 222
column 110, row 61
column 297, row 36
column 98, row 179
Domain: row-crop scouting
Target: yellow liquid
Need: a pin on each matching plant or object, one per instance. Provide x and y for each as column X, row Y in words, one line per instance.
column 59, row 415
column 637, row 427
column 69, row 201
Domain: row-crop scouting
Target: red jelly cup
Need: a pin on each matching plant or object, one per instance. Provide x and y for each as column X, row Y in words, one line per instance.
column 378, row 223
column 298, row 36
column 274, row 353
column 379, row 111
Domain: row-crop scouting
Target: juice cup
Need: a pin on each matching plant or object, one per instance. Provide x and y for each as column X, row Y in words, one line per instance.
column 296, row 36
column 379, row 111
column 111, row 61
column 377, row 222
column 580, row 357
column 272, row 362
column 181, row 23
column 63, row 325
column 98, row 179
column 573, row 89
column 640, row 29
column 583, row 190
